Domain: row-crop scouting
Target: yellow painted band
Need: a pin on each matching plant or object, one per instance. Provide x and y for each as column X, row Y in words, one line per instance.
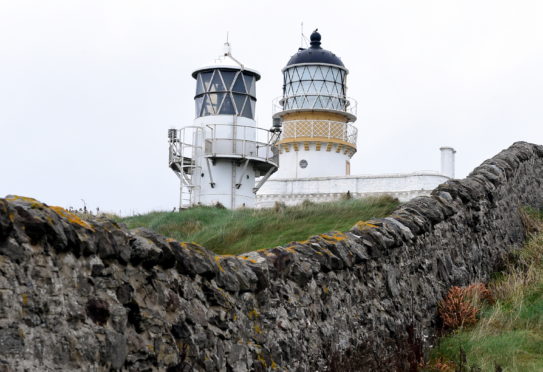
column 316, row 139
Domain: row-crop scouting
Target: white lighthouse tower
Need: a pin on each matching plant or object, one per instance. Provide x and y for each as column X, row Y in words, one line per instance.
column 318, row 139
column 220, row 158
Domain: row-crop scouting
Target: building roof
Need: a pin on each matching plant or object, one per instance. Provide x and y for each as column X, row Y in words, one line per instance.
column 226, row 61
column 315, row 54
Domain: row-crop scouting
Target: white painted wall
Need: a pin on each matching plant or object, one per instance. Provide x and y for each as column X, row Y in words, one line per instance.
column 319, row 163
column 447, row 161
column 226, row 172
column 225, row 175
column 294, row 191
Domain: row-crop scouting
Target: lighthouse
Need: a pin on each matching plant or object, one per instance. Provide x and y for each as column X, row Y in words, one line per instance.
column 318, row 137
column 224, row 157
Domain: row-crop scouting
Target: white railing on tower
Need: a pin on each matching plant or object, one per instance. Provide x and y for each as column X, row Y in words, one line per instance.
column 241, row 140
column 216, row 140
column 310, row 102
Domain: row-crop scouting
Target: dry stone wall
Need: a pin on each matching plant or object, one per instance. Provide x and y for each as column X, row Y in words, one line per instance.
column 93, row 296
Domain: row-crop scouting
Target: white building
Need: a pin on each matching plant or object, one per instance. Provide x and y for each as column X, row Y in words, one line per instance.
column 224, row 157
column 220, row 156
column 319, row 139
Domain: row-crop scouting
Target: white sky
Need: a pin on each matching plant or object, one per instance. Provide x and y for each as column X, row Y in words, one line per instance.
column 88, row 89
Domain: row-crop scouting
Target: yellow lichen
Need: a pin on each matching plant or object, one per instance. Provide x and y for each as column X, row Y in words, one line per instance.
column 71, row 217
column 253, row 314
column 33, row 202
column 262, row 361
column 246, row 258
column 257, row 329
column 291, row 249
column 337, row 236
column 325, row 289
column 273, row 364
column 24, row 298
column 363, row 225
column 218, row 259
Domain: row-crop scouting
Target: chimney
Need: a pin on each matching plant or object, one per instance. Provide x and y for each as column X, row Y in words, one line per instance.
column 447, row 161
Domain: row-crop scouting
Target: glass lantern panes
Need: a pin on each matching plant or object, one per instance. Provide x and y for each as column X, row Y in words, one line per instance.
column 216, row 83
column 314, row 87
column 250, row 84
column 206, row 79
column 239, row 85
column 228, row 78
column 198, row 102
column 227, row 108
column 239, row 100
column 248, row 109
column 225, row 92
column 199, row 85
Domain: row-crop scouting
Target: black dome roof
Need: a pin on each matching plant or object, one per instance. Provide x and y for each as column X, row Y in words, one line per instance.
column 315, row 54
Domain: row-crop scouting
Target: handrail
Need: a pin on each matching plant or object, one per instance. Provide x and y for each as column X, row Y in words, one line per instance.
column 247, row 141
column 250, row 142
column 348, row 104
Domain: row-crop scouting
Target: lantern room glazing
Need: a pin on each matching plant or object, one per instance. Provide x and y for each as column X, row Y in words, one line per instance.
column 225, row 92
column 315, row 79
column 314, row 86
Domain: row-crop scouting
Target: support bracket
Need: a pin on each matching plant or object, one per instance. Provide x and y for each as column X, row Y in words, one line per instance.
column 238, row 185
column 211, row 182
column 264, row 179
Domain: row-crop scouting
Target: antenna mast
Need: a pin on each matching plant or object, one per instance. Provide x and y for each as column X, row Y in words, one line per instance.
column 302, row 35
column 303, row 38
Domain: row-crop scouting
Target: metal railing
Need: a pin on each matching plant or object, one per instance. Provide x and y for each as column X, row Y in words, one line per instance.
column 183, row 150
column 320, row 129
column 245, row 141
column 315, row 102
column 191, row 145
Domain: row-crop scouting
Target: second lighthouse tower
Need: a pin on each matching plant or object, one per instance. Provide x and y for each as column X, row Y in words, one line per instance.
column 318, row 139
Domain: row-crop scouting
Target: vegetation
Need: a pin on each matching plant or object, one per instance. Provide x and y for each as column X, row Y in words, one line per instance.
column 236, row 231
column 508, row 335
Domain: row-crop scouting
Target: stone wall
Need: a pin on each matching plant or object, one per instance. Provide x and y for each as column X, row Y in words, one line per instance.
column 93, row 296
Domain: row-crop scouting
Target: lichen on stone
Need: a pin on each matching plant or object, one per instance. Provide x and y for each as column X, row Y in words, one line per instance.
column 72, row 217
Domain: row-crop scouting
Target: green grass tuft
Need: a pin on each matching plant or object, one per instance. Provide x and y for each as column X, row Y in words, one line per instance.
column 237, row 231
column 510, row 332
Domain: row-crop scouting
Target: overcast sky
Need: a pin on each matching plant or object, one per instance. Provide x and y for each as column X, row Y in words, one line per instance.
column 88, row 89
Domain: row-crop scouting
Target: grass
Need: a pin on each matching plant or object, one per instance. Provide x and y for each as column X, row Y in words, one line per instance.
column 509, row 333
column 237, row 231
